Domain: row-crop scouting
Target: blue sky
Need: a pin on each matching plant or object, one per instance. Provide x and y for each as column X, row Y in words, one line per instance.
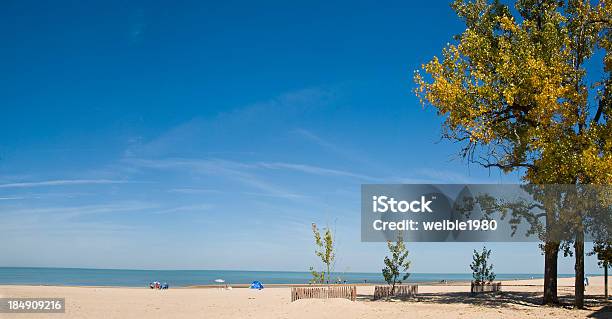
column 211, row 135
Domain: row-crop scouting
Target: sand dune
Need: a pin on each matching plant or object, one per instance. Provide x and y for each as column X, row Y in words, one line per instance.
column 520, row 299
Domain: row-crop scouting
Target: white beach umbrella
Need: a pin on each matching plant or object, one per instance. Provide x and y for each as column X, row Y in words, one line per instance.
column 219, row 281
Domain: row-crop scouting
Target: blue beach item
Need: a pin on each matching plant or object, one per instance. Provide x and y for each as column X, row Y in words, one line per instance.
column 257, row 285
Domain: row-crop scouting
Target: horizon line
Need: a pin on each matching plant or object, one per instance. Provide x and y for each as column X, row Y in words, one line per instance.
column 290, row 271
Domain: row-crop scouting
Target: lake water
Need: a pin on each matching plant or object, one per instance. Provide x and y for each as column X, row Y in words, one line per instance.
column 182, row 278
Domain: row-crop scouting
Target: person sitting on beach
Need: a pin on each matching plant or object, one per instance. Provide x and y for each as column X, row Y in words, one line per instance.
column 165, row 285
column 151, row 285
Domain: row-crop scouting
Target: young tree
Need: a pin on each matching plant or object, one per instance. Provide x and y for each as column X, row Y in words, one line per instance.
column 397, row 264
column 515, row 91
column 325, row 251
column 318, row 277
column 482, row 272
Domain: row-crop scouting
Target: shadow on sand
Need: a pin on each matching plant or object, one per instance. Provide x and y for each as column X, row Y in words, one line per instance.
column 604, row 312
column 506, row 299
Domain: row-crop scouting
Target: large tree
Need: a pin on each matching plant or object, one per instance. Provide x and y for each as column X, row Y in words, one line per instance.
column 519, row 89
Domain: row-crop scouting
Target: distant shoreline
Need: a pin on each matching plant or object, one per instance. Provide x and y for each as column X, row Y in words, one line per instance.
column 78, row 277
column 289, row 285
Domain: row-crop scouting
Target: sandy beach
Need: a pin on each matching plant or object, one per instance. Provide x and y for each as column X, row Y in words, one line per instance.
column 519, row 299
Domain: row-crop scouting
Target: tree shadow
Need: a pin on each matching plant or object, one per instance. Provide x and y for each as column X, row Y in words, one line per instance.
column 604, row 312
column 500, row 299
column 504, row 299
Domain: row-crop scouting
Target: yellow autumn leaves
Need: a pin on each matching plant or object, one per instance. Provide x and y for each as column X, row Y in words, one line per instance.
column 520, row 89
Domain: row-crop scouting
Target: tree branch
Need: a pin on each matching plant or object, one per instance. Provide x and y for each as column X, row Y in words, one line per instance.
column 600, row 108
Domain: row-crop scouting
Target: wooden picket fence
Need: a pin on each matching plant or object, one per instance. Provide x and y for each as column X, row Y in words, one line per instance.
column 346, row 292
column 402, row 291
column 487, row 287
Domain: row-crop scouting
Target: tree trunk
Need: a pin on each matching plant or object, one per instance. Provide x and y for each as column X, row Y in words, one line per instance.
column 579, row 270
column 551, row 254
column 606, row 280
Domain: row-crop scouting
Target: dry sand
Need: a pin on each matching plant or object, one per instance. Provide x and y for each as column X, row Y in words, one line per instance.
column 520, row 299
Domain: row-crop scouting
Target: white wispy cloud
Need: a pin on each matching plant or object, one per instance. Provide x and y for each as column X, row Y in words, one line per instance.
column 66, row 219
column 12, row 198
column 200, row 191
column 67, row 211
column 348, row 154
column 320, row 141
column 61, row 182
column 316, row 170
column 245, row 173
column 416, row 176
column 236, row 171
column 185, row 208
column 274, row 112
column 445, row 176
column 32, row 228
column 188, row 190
